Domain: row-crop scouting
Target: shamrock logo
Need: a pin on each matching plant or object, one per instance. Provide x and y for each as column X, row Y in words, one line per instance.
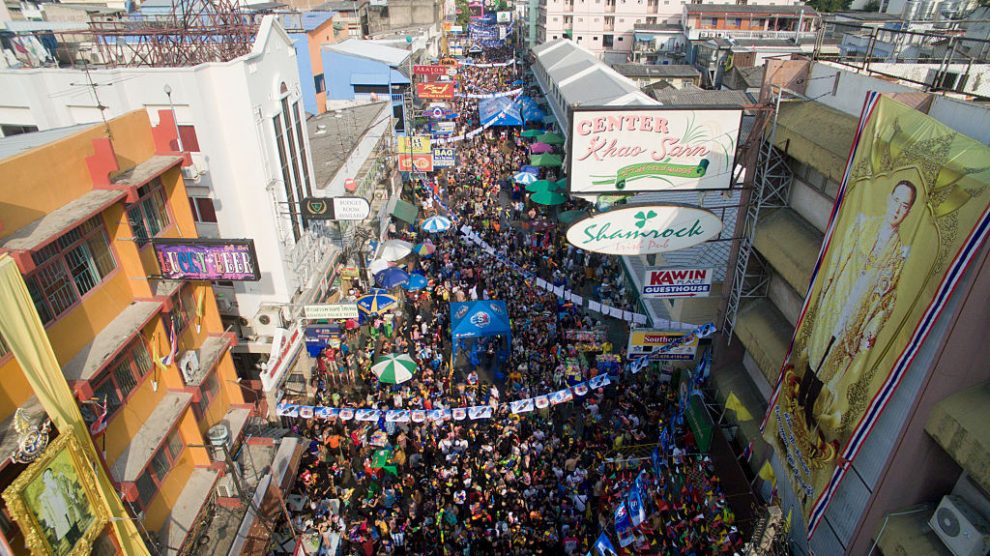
column 643, row 217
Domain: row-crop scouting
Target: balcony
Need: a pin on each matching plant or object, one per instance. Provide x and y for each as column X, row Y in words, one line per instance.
column 610, row 7
column 958, row 425
column 696, row 33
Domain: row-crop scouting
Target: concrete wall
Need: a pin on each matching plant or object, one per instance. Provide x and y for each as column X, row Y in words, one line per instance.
column 406, row 13
column 307, row 85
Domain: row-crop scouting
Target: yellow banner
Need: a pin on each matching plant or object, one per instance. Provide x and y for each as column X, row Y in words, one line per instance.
column 417, row 144
column 912, row 208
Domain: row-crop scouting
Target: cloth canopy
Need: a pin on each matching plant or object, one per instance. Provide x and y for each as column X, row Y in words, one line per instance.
column 479, row 319
column 530, row 111
column 500, row 111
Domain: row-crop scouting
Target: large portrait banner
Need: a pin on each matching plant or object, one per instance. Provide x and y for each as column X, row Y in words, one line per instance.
column 913, row 209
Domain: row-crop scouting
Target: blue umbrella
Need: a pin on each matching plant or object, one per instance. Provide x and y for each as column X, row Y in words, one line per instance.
column 435, row 224
column 531, row 169
column 378, row 301
column 391, row 277
column 524, row 178
column 518, row 82
column 416, row 282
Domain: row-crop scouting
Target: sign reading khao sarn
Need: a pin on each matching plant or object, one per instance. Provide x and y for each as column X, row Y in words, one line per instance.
column 652, row 150
column 644, row 229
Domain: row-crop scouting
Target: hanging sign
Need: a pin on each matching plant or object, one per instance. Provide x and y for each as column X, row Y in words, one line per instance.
column 417, row 144
column 646, row 342
column 207, row 259
column 677, row 282
column 335, row 208
column 421, row 162
column 644, row 229
column 430, row 70
column 438, row 90
column 332, row 311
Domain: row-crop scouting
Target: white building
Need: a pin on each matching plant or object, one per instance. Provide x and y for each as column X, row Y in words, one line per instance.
column 244, row 123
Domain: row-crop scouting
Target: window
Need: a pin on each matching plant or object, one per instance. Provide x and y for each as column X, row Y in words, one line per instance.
column 320, row 82
column 120, row 378
column 162, row 462
column 208, row 391
column 4, row 349
column 607, row 41
column 620, row 39
column 203, row 209
column 183, row 310
column 146, row 489
column 290, row 196
column 69, row 267
column 148, row 216
column 6, row 130
column 190, row 143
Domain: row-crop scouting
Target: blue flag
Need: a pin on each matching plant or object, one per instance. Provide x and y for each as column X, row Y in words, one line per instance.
column 603, row 546
column 637, row 513
column 624, row 525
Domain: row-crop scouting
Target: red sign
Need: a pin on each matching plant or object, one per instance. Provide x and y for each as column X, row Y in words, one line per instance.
column 422, row 162
column 435, row 91
column 430, row 70
column 350, row 185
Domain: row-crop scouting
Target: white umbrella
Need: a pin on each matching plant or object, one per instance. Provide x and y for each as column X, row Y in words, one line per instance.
column 395, row 249
column 377, row 266
column 524, row 178
column 436, row 224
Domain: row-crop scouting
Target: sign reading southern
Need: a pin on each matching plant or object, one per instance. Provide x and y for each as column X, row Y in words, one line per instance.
column 205, row 259
column 644, row 229
column 911, row 215
column 444, row 158
column 438, row 90
column 677, row 282
column 417, row 162
column 335, row 208
column 431, row 70
column 335, row 311
column 645, row 342
column 652, row 150
column 417, row 144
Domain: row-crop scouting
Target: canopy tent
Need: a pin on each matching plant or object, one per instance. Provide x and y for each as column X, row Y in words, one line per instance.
column 551, row 139
column 530, row 111
column 481, row 326
column 499, row 111
column 549, row 160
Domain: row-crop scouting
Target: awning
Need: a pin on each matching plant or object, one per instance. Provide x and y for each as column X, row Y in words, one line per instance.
column 407, row 212
column 790, row 245
column 146, row 440
column 110, row 340
column 46, row 229
column 816, row 135
column 765, row 333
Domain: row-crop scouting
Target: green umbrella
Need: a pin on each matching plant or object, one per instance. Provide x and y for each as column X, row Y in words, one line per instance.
column 570, row 216
column 548, row 198
column 394, row 369
column 551, row 160
column 532, row 133
column 551, row 139
column 539, row 185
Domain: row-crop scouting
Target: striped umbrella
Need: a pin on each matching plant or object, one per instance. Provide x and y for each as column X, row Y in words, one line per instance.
column 435, row 224
column 378, row 301
column 524, row 178
column 425, row 249
column 394, row 368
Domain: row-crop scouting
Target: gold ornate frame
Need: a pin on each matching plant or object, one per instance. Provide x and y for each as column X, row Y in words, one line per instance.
column 34, row 536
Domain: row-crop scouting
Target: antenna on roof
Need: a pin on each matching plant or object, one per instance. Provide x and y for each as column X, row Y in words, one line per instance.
column 93, row 86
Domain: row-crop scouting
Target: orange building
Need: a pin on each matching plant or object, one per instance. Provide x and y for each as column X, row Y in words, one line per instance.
column 78, row 209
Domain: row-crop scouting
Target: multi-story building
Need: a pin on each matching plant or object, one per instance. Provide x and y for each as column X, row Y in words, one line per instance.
column 672, row 75
column 607, row 27
column 80, row 206
column 351, row 16
column 929, row 440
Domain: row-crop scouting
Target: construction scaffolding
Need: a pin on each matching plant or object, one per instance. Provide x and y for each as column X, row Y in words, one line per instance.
column 193, row 32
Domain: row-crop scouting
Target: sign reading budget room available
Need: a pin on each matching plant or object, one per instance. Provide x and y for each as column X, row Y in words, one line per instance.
column 677, row 282
column 658, row 149
column 335, row 208
column 207, row 259
column 644, row 229
column 334, row 311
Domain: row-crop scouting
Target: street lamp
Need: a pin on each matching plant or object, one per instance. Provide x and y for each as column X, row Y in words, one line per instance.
column 175, row 121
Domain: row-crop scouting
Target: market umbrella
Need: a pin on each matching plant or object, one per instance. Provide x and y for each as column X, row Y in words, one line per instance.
column 436, row 224
column 425, row 249
column 548, row 160
column 562, row 184
column 542, row 185
column 537, row 148
column 531, row 169
column 395, row 249
column 378, row 265
column 524, row 178
column 351, row 324
column 416, row 282
column 567, row 217
column 518, row 82
column 548, row 198
column 533, row 133
column 391, row 277
column 551, row 139
column 394, row 368
column 378, row 301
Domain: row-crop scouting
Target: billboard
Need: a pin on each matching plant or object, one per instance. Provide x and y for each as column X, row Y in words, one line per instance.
column 335, row 208
column 645, row 341
column 207, row 259
column 333, row 311
column 913, row 208
column 677, row 282
column 652, row 149
column 444, row 158
column 439, row 90
column 417, row 162
column 417, row 144
column 644, row 229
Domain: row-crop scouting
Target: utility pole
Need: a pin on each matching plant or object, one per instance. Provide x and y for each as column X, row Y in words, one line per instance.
column 96, row 96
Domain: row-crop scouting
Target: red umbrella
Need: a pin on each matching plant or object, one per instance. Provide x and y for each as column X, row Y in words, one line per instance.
column 537, row 148
column 351, row 324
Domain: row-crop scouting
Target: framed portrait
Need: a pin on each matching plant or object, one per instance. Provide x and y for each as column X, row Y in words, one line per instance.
column 55, row 502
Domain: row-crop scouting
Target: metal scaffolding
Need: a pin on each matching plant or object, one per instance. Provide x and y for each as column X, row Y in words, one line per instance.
column 771, row 188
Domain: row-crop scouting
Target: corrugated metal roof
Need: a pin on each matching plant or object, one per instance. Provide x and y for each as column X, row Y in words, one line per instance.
column 371, row 50
column 583, row 79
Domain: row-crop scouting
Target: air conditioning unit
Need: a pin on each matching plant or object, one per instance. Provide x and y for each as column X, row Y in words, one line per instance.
column 962, row 529
column 189, row 364
column 226, row 487
column 266, row 321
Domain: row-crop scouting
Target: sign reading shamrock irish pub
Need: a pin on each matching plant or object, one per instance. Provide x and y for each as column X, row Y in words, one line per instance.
column 652, row 149
column 644, row 229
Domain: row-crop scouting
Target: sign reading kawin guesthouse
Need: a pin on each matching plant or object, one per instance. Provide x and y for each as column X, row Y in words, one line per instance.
column 652, row 149
column 644, row 229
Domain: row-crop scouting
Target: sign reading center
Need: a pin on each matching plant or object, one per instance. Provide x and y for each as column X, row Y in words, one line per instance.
column 644, row 229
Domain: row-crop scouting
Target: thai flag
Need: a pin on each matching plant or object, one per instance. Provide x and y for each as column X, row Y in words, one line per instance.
column 747, row 454
column 173, row 343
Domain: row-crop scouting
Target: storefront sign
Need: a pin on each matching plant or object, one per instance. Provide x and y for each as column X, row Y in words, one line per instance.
column 644, row 229
column 656, row 149
column 417, row 144
column 335, row 208
column 456, row 29
column 442, row 128
column 677, row 282
column 335, row 311
column 503, row 17
column 439, row 90
column 283, row 354
column 421, row 162
column 431, row 70
column 448, row 62
column 207, row 259
column 322, row 335
column 444, row 158
column 645, row 342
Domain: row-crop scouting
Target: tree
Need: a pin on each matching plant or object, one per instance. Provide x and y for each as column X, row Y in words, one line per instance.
column 828, row 6
column 872, row 6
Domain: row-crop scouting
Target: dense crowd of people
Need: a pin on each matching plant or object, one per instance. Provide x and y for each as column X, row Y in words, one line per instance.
column 541, row 482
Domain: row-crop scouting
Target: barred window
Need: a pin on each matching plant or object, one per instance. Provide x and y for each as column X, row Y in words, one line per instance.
column 148, row 216
column 69, row 267
column 119, row 380
column 208, row 392
column 146, row 489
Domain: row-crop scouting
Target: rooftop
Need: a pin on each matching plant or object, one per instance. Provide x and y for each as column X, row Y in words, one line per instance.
column 17, row 144
column 372, row 50
column 747, row 9
column 646, row 27
column 342, row 6
column 694, row 96
column 335, row 134
column 669, row 70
